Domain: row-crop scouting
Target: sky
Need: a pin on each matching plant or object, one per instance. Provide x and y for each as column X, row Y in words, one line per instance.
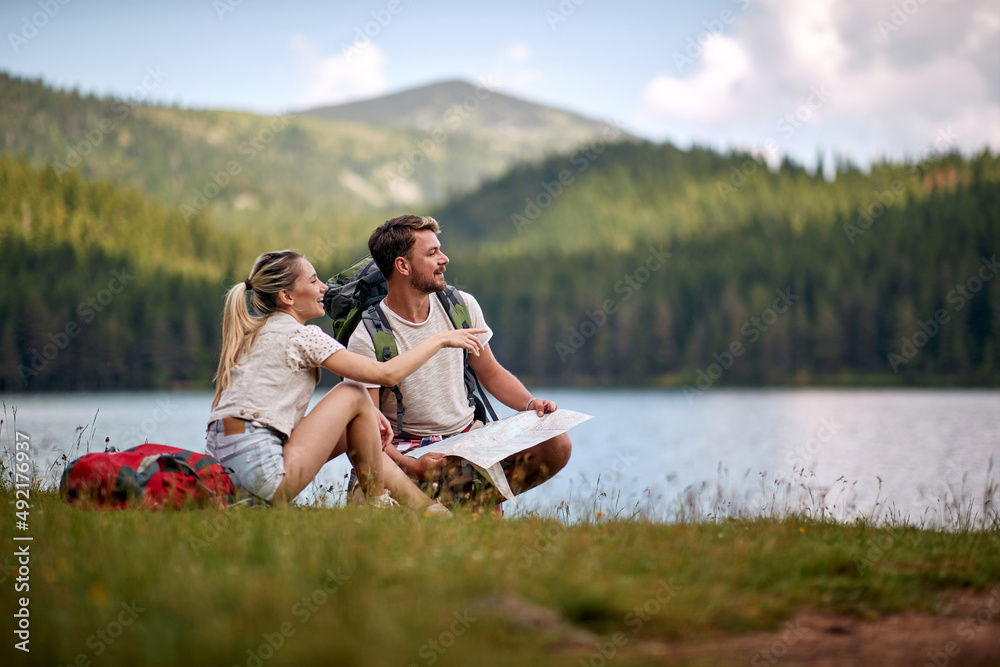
column 860, row 79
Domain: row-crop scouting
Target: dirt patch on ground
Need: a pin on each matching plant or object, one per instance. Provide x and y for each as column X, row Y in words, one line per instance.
column 966, row 633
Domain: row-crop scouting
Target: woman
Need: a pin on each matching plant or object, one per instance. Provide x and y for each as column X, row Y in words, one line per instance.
column 267, row 372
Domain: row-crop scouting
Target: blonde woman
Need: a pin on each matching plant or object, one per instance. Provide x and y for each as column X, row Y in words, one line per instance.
column 269, row 367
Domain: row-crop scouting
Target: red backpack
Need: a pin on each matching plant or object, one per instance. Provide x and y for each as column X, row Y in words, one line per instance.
column 153, row 476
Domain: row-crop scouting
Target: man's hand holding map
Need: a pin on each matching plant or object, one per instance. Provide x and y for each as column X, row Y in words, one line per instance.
column 486, row 447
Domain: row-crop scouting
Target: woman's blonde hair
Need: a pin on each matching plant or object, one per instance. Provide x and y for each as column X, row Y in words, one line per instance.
column 271, row 273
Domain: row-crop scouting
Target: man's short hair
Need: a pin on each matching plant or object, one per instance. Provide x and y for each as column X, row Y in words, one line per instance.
column 395, row 238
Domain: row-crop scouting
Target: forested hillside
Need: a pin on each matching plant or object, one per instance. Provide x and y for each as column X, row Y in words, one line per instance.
column 103, row 288
column 607, row 196
column 284, row 178
column 886, row 277
column 652, row 265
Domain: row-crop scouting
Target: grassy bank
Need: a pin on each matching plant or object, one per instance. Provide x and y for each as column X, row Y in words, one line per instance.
column 355, row 587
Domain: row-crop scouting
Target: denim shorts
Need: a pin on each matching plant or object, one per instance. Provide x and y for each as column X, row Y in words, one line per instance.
column 253, row 457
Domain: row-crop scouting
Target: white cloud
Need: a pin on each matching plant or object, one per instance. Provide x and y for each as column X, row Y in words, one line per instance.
column 514, row 72
column 896, row 76
column 518, row 52
column 357, row 72
column 708, row 96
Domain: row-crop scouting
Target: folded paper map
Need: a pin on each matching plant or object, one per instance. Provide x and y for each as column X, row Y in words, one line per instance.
column 486, row 447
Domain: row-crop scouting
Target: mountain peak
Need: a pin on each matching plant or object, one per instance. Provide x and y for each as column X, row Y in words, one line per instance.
column 460, row 105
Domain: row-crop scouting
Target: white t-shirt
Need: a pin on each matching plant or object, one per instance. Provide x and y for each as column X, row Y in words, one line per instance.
column 435, row 400
column 274, row 382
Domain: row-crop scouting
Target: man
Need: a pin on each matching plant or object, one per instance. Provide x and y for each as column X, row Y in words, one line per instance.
column 435, row 399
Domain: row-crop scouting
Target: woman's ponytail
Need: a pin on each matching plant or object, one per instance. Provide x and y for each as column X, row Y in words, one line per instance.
column 272, row 272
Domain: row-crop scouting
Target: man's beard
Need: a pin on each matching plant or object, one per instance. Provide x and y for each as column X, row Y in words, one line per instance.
column 427, row 286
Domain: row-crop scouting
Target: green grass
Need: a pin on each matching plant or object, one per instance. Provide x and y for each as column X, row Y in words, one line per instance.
column 213, row 585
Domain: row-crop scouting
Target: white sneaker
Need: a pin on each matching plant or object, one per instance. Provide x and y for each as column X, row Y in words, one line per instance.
column 437, row 509
column 382, row 502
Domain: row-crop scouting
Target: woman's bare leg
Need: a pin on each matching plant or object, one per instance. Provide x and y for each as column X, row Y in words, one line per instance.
column 345, row 421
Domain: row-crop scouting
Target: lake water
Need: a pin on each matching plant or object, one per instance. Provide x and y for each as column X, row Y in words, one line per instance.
column 902, row 453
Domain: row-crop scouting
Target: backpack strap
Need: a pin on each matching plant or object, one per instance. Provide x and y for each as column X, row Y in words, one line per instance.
column 471, row 374
column 380, row 331
column 377, row 325
column 384, row 343
column 455, row 306
column 458, row 311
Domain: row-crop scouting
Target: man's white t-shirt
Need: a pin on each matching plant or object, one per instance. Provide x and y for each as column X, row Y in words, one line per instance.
column 435, row 400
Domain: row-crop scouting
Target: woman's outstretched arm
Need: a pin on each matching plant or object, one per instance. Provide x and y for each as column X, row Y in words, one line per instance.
column 388, row 373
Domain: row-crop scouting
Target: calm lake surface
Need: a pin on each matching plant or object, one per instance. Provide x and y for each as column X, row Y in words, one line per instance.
column 845, row 452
